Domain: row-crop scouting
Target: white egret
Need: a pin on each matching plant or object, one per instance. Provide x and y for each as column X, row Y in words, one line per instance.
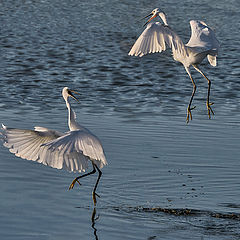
column 202, row 43
column 71, row 150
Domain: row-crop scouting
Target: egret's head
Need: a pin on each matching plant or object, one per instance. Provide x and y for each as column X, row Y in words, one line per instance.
column 66, row 92
column 157, row 12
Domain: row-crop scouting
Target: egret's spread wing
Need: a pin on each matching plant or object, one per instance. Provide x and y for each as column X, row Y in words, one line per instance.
column 202, row 36
column 78, row 143
column 27, row 143
column 204, row 39
column 154, row 39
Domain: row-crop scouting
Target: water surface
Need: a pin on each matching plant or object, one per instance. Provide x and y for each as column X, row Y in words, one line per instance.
column 136, row 106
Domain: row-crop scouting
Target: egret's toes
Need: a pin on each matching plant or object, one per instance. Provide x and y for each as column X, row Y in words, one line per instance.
column 79, row 183
column 189, row 113
column 71, row 186
column 73, row 183
column 94, row 198
column 97, row 195
column 94, row 217
column 210, row 111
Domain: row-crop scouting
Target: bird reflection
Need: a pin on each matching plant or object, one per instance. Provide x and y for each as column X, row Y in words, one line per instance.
column 94, row 219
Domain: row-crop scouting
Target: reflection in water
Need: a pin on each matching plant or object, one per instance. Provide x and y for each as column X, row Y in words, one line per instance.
column 94, row 218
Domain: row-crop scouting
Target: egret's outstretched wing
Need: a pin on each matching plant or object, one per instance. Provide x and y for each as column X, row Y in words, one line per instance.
column 78, row 142
column 154, row 39
column 27, row 143
column 203, row 37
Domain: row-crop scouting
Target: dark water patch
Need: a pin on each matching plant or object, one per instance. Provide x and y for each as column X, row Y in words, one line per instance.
column 189, row 212
column 231, row 205
column 180, row 212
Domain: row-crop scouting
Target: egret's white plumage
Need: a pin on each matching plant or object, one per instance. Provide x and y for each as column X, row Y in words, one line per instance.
column 71, row 150
column 203, row 43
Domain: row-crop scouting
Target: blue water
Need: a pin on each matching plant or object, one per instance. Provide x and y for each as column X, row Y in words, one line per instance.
column 136, row 106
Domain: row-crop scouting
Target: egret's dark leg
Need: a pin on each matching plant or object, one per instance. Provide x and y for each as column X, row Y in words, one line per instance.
column 76, row 179
column 208, row 95
column 189, row 113
column 94, row 194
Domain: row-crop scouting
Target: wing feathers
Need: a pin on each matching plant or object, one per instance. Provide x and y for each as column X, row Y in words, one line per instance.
column 79, row 142
column 70, row 151
column 154, row 39
column 26, row 143
column 203, row 37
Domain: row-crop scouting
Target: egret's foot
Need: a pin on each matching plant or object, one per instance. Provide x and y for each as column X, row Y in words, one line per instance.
column 189, row 113
column 94, row 198
column 209, row 109
column 73, row 183
column 94, row 217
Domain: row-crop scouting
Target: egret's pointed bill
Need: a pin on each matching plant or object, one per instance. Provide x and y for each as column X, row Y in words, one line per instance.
column 146, row 16
column 150, row 19
column 70, row 92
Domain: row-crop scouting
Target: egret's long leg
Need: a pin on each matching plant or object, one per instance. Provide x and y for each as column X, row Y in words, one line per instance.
column 208, row 95
column 189, row 113
column 94, row 194
column 76, row 179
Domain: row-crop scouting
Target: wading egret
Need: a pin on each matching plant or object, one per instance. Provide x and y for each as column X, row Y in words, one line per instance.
column 202, row 43
column 71, row 150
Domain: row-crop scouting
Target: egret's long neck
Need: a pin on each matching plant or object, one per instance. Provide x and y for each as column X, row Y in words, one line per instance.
column 72, row 124
column 164, row 18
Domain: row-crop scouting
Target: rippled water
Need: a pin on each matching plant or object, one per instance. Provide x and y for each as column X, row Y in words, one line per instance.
column 137, row 107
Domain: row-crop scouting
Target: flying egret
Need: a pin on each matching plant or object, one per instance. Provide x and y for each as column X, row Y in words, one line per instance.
column 202, row 43
column 71, row 150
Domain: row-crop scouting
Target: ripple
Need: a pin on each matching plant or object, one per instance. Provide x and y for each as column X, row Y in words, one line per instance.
column 137, row 107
